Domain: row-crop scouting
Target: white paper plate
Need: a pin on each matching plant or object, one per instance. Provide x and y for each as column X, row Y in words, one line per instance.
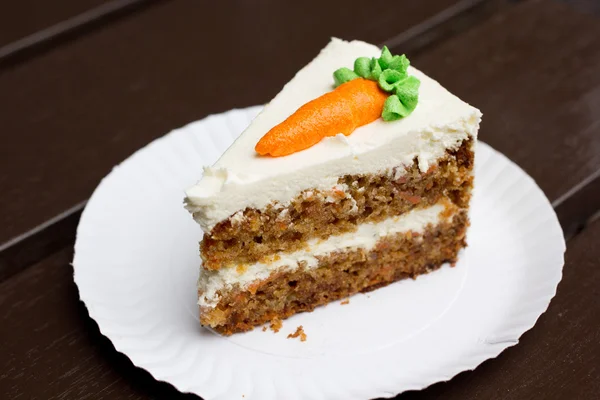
column 136, row 265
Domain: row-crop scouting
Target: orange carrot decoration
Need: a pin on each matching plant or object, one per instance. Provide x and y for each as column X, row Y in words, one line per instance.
column 351, row 105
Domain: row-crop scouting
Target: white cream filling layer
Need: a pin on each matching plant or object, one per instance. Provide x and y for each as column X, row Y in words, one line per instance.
column 366, row 237
column 241, row 178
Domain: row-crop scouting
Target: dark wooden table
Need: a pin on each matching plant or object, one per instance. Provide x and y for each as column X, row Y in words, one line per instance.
column 83, row 84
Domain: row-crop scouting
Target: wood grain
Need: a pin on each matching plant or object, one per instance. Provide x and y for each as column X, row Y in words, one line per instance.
column 76, row 111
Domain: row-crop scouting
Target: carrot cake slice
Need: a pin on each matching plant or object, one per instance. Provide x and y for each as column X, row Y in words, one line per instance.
column 356, row 175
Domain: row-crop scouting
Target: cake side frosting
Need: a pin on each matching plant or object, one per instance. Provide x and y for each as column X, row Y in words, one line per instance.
column 242, row 179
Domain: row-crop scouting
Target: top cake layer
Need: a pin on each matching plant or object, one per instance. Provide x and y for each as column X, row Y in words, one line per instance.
column 242, row 179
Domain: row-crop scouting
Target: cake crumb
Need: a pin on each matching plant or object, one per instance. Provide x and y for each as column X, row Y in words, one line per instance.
column 264, row 328
column 276, row 324
column 344, row 302
column 299, row 332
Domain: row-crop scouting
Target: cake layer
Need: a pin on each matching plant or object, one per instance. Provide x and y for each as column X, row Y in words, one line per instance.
column 281, row 292
column 365, row 237
column 241, row 179
column 253, row 234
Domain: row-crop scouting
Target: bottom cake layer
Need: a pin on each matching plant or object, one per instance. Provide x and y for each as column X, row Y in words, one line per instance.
column 338, row 275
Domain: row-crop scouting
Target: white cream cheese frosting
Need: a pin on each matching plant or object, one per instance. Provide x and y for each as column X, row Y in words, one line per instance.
column 241, row 178
column 366, row 237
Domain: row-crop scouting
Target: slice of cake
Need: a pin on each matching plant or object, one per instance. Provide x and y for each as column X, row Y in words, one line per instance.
column 356, row 175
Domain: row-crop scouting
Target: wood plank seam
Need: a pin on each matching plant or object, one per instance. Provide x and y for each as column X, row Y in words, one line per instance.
column 46, row 39
column 444, row 17
column 579, row 206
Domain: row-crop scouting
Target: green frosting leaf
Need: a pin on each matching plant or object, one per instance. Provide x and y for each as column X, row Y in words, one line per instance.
column 389, row 78
column 386, row 58
column 391, row 74
column 399, row 63
column 362, row 67
column 408, row 93
column 393, row 109
column 343, row 75
column 375, row 69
